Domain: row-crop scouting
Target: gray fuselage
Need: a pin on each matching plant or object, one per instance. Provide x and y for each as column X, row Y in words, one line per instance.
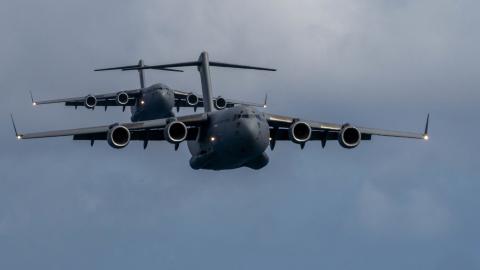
column 158, row 101
column 233, row 138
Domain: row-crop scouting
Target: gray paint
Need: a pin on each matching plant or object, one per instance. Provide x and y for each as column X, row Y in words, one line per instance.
column 158, row 101
column 204, row 69
column 230, row 142
column 386, row 205
column 226, row 139
column 141, row 74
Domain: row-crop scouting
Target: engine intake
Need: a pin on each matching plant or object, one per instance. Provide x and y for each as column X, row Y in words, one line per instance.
column 192, row 100
column 300, row 132
column 122, row 98
column 175, row 132
column 90, row 101
column 349, row 137
column 118, row 137
column 220, row 103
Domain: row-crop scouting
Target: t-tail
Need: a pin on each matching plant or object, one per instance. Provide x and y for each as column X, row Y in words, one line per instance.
column 203, row 64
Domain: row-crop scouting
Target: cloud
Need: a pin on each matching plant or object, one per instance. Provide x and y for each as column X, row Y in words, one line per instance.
column 416, row 212
column 388, row 204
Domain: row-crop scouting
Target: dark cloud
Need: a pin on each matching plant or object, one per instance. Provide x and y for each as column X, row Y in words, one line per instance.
column 388, row 204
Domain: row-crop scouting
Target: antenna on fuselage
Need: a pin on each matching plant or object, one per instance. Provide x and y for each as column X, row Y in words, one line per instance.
column 203, row 64
column 140, row 67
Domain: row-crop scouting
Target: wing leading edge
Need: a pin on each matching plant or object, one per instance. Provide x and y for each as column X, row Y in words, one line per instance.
column 182, row 101
column 145, row 130
column 108, row 99
column 279, row 126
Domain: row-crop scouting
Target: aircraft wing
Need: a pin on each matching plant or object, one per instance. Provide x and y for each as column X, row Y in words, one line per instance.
column 120, row 98
column 182, row 99
column 279, row 130
column 142, row 131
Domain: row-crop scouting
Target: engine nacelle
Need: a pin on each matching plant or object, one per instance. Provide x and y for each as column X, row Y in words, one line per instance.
column 118, row 136
column 175, row 132
column 192, row 100
column 299, row 132
column 122, row 98
column 90, row 102
column 349, row 136
column 220, row 103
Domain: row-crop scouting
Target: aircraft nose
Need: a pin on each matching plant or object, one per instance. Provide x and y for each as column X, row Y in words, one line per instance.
column 251, row 137
column 249, row 128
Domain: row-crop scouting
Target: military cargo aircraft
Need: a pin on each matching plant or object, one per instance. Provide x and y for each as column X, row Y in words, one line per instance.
column 225, row 139
column 146, row 103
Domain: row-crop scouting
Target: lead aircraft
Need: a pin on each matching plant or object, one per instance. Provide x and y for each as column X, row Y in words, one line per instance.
column 146, row 103
column 224, row 139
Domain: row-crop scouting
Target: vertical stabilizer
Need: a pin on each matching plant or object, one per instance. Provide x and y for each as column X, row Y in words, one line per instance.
column 203, row 64
column 204, row 69
column 141, row 73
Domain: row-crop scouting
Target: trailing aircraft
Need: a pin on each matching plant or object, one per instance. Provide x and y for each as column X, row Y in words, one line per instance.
column 146, row 103
column 230, row 138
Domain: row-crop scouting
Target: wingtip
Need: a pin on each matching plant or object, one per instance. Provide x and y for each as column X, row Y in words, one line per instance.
column 17, row 135
column 425, row 133
column 34, row 103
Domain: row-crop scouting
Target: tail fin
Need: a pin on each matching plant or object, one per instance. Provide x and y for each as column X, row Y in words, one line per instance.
column 140, row 74
column 203, row 64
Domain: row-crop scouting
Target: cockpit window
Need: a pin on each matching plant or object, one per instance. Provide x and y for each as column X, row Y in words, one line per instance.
column 244, row 115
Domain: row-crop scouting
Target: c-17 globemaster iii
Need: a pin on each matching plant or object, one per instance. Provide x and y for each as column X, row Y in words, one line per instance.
column 147, row 102
column 225, row 139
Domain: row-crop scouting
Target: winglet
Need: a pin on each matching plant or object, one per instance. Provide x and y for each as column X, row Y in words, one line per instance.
column 265, row 101
column 425, row 134
column 34, row 103
column 17, row 135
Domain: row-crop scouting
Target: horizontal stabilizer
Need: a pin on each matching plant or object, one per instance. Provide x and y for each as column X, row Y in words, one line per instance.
column 203, row 65
column 199, row 63
column 219, row 64
column 135, row 67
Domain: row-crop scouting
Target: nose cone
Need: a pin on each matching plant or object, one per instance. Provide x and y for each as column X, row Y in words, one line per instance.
column 251, row 138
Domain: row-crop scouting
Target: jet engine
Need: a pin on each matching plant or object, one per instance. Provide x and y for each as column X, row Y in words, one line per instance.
column 349, row 136
column 122, row 98
column 192, row 100
column 220, row 103
column 299, row 132
column 90, row 102
column 175, row 132
column 118, row 136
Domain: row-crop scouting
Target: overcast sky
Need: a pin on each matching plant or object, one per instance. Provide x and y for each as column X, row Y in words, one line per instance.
column 389, row 204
